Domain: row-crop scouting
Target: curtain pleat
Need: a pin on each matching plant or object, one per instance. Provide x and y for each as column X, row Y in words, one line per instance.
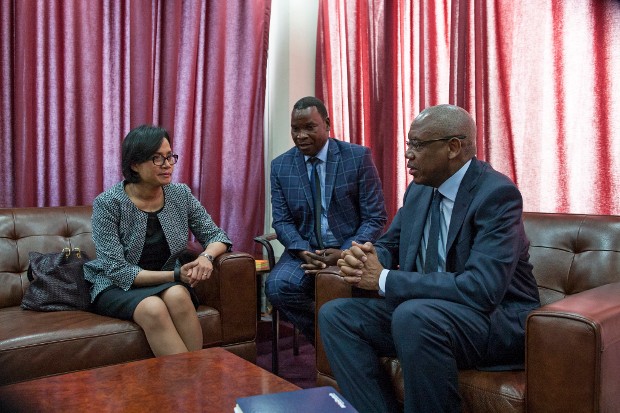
column 541, row 78
column 78, row 75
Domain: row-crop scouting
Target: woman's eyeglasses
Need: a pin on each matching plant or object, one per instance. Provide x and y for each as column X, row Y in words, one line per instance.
column 159, row 160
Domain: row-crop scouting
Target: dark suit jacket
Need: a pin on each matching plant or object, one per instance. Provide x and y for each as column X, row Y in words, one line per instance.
column 356, row 209
column 487, row 259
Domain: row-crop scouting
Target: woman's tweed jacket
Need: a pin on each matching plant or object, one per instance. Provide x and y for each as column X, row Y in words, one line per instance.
column 119, row 229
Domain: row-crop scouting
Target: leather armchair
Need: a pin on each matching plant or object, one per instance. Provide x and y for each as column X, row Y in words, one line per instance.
column 572, row 358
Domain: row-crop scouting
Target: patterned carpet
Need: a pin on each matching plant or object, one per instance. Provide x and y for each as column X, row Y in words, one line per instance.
column 299, row 370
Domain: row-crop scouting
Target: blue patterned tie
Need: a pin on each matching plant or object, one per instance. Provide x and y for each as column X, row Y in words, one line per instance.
column 315, row 184
column 431, row 259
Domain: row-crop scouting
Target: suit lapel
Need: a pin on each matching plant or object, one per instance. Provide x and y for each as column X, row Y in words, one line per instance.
column 464, row 197
column 331, row 167
column 415, row 220
column 300, row 164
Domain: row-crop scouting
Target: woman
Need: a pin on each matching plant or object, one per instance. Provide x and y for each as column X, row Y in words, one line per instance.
column 140, row 227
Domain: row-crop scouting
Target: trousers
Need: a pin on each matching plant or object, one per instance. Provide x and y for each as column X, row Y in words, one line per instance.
column 432, row 339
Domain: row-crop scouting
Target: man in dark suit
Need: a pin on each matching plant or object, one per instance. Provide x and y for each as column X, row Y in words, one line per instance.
column 457, row 302
column 338, row 177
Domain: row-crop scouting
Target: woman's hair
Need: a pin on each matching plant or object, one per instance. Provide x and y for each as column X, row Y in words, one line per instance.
column 139, row 146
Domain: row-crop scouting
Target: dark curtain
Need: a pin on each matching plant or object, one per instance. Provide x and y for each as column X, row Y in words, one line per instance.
column 541, row 78
column 77, row 75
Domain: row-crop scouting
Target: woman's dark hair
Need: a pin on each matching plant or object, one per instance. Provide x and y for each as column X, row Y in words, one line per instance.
column 139, row 146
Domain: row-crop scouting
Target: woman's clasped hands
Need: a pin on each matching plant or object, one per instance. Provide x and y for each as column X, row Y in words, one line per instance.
column 195, row 271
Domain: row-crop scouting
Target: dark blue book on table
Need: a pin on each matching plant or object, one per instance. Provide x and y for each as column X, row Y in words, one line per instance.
column 315, row 400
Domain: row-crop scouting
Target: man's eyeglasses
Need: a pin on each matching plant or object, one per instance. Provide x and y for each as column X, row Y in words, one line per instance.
column 159, row 160
column 417, row 145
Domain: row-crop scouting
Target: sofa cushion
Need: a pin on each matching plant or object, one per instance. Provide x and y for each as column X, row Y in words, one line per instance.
column 497, row 391
column 64, row 341
column 572, row 253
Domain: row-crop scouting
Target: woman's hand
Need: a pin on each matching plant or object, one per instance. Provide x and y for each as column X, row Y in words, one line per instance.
column 195, row 271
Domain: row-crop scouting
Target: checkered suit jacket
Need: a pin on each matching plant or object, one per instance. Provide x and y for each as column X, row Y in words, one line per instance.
column 353, row 193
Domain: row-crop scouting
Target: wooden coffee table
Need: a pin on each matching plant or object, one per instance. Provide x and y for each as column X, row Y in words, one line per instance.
column 208, row 380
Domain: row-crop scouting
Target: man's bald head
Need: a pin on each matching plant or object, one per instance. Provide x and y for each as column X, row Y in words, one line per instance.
column 441, row 140
column 451, row 120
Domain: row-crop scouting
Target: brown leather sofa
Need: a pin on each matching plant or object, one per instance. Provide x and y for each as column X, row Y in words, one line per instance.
column 572, row 360
column 37, row 344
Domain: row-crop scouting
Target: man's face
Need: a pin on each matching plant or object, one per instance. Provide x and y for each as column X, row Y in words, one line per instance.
column 428, row 162
column 309, row 130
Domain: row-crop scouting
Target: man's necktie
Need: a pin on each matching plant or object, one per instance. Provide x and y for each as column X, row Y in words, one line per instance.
column 315, row 184
column 432, row 246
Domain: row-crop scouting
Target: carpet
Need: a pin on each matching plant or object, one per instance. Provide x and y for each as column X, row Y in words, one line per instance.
column 299, row 370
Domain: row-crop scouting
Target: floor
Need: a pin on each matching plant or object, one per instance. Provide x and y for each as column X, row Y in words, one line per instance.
column 299, row 370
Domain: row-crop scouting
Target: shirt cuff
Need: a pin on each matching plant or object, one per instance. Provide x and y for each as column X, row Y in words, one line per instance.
column 382, row 280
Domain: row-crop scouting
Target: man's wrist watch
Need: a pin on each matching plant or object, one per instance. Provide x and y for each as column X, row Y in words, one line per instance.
column 208, row 256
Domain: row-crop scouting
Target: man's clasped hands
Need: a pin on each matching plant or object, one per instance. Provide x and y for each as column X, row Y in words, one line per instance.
column 359, row 265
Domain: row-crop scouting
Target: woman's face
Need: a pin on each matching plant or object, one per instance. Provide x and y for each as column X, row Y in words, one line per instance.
column 156, row 175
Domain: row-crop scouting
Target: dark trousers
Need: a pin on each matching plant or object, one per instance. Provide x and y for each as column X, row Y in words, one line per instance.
column 433, row 339
column 291, row 291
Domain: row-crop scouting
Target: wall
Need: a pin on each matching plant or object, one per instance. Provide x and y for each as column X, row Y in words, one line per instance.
column 290, row 76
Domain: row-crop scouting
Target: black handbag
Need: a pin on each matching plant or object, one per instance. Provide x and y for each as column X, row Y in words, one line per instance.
column 57, row 282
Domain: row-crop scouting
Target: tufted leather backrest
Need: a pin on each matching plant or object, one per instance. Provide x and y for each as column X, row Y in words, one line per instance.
column 572, row 253
column 37, row 229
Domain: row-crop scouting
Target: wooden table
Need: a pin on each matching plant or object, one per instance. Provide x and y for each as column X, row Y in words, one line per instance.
column 208, row 380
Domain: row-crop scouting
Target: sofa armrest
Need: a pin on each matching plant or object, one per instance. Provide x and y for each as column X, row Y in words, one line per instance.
column 330, row 285
column 231, row 290
column 573, row 353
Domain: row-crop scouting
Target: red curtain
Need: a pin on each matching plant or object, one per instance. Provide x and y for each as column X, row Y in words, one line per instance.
column 78, row 75
column 541, row 78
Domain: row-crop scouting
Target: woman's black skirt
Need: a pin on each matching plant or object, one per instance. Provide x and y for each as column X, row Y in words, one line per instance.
column 118, row 303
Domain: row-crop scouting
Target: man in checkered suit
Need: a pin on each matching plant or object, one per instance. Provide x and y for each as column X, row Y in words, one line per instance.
column 352, row 209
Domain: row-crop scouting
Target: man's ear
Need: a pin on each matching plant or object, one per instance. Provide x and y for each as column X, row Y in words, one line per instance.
column 327, row 123
column 454, row 148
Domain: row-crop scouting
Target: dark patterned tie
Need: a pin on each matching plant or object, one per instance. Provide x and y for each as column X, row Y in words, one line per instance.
column 315, row 184
column 431, row 259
